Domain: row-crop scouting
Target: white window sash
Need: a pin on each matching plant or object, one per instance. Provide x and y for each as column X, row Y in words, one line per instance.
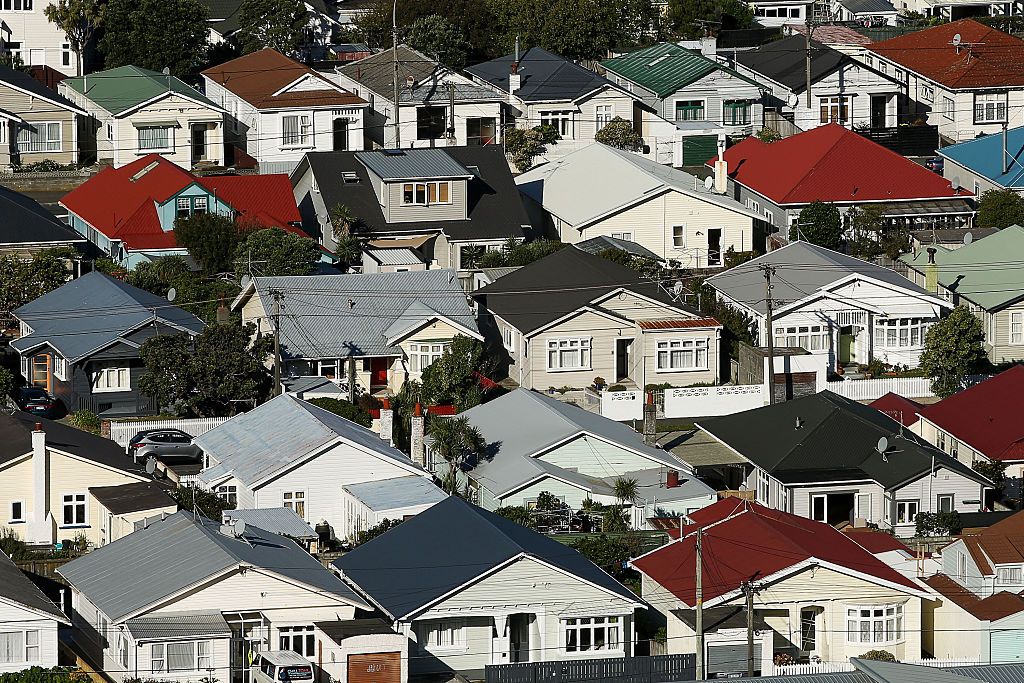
column 40, row 136
column 156, row 139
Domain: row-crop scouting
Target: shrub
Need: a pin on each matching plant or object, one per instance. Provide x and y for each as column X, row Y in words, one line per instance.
column 345, row 409
column 375, row 531
column 879, row 656
column 86, row 420
column 938, row 523
column 517, row 514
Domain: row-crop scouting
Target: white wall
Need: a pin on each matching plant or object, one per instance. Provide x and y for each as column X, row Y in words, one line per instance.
column 14, row 618
column 42, row 43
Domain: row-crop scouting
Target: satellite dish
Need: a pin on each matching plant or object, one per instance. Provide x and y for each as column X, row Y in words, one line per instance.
column 172, row 294
column 957, row 39
column 167, row 69
column 954, row 182
column 238, row 527
column 150, row 465
column 968, row 238
column 244, row 282
column 677, row 288
column 883, row 445
column 793, row 100
column 709, row 182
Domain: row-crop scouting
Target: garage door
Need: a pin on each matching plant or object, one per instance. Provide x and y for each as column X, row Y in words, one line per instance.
column 1007, row 646
column 382, row 667
column 724, row 659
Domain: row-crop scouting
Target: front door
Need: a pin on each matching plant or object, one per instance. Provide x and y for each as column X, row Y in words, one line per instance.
column 379, row 372
column 847, row 339
column 519, row 638
column 198, row 143
column 623, row 361
column 878, row 106
column 714, row 246
column 41, row 372
column 339, row 130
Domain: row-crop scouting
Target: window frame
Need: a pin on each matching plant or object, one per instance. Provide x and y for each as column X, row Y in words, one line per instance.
column 305, row 636
column 583, row 346
column 577, row 626
column 104, row 371
column 664, row 348
column 948, row 109
column 455, row 627
column 168, row 147
column 690, row 105
column 295, row 501
column 734, row 106
column 996, row 101
column 1016, row 570
column 302, row 137
column 44, row 146
column 20, row 518
column 201, row 649
column 12, row 5
column 792, row 336
column 562, row 120
column 428, row 118
column 60, row 367
column 951, row 497
column 900, row 333
column 907, row 504
column 77, row 498
column 423, row 189
column 418, row 351
column 679, row 241
column 831, row 106
column 227, row 493
column 877, row 624
column 25, row 646
column 1019, row 316
column 603, row 115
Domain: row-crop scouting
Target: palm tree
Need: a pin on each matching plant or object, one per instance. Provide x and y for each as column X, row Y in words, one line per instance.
column 455, row 440
column 343, row 221
column 348, row 249
column 627, row 490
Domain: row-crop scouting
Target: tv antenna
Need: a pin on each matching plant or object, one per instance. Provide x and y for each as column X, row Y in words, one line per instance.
column 968, row 238
column 150, row 465
column 172, row 294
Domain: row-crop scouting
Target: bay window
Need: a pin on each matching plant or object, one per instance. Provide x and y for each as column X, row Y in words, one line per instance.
column 295, row 130
column 559, row 120
column 682, row 355
column 156, row 139
column 300, row 639
column 422, row 355
column 568, row 354
column 809, row 337
column 900, row 333
column 39, row 137
column 592, row 634
column 874, row 624
column 990, row 107
column 186, row 655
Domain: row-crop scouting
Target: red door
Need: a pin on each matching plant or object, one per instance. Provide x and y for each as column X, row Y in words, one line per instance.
column 379, row 371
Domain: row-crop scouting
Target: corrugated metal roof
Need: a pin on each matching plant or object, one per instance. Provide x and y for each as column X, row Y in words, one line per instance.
column 400, row 492
column 282, row 521
column 395, row 257
column 401, row 164
column 118, row 90
column 595, row 245
column 665, row 68
column 906, row 673
column 677, row 323
column 183, row 625
column 983, row 157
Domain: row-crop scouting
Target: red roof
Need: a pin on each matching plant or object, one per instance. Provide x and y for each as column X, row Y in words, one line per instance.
column 833, row 164
column 678, row 324
column 986, row 416
column 746, row 541
column 121, row 202
column 992, row 608
column 875, row 541
column 898, row 408
column 986, row 58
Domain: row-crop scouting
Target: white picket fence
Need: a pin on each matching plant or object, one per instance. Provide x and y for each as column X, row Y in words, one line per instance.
column 870, row 389
column 837, row 667
column 121, row 432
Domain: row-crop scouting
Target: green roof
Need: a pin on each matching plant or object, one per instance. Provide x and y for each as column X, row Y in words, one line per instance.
column 978, row 271
column 126, row 87
column 666, row 67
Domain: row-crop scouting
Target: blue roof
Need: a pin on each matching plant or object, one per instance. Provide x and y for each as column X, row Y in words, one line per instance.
column 982, row 155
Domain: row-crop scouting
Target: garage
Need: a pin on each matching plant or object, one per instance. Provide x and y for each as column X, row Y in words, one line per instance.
column 379, row 667
column 1007, row 646
column 728, row 660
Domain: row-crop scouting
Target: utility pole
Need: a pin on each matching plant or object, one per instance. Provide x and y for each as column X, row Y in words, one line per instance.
column 699, row 600
column 451, row 110
column 394, row 59
column 768, row 271
column 748, row 589
column 277, row 341
column 809, row 25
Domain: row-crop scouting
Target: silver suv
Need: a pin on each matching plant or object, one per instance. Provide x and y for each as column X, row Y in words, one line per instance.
column 167, row 445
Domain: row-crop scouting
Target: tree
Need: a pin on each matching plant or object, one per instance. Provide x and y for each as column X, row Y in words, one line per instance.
column 155, row 34
column 691, row 18
column 517, row 514
column 819, row 223
column 993, row 470
column 344, row 221
column 452, row 378
column 439, row 39
column 627, row 490
column 344, row 409
column 999, row 209
column 7, row 384
column 349, row 250
column 209, row 504
column 516, row 253
column 953, row 351
column 457, row 441
column 211, row 239
column 159, row 276
column 22, row 281
column 619, row 133
column 277, row 24
column 645, row 265
column 277, row 252
column 220, row 372
column 524, row 145
column 78, row 20
column 611, row 553
column 375, row 531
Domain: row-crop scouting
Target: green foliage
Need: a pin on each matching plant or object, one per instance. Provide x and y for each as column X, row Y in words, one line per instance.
column 37, row 674
column 159, row 276
column 999, row 209
column 619, row 133
column 440, row 39
column 22, row 281
column 879, row 656
column 524, row 144
column 209, row 504
column 375, row 531
column 44, row 166
column 211, row 239
column 344, row 221
column 349, row 250
column 78, row 20
column 937, row 523
column 627, row 489
column 277, row 24
column 611, row 553
column 516, row 253
column 217, row 374
column 15, row 548
column 819, row 223
column 86, row 420
column 12, row 61
column 768, row 135
column 547, row 502
column 457, row 441
column 71, row 548
column 646, row 266
column 450, row 380
column 953, row 350
column 733, row 258
column 993, row 470
column 155, row 34
column 613, row 519
column 688, row 18
column 517, row 514
column 344, row 409
column 737, row 326
column 277, row 252
column 7, row 383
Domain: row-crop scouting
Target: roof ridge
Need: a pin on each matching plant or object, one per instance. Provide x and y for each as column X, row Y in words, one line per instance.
column 543, row 401
column 828, row 127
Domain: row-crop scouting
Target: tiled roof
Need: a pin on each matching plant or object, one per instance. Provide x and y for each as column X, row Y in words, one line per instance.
column 832, row 35
column 992, row 608
column 987, row 58
column 665, row 68
column 677, row 323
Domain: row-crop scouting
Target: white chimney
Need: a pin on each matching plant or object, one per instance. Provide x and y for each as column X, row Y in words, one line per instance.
column 387, row 422
column 40, row 525
column 721, row 167
column 515, row 81
column 416, row 446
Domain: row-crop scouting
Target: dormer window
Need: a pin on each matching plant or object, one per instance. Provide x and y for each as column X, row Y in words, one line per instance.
column 425, row 194
column 184, row 207
column 350, row 177
column 190, row 206
column 199, row 205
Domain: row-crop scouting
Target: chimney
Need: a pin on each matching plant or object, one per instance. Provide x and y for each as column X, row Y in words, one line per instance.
column 40, row 529
column 387, row 420
column 931, row 272
column 721, row 167
column 416, row 447
column 515, row 80
column 672, row 479
column 709, row 46
column 650, row 420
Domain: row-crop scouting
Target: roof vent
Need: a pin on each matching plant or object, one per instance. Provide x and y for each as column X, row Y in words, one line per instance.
column 350, row 177
column 799, row 423
column 146, row 169
column 659, row 60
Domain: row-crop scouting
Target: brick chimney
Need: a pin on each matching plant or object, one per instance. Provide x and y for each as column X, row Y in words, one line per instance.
column 416, row 447
column 672, row 479
column 650, row 420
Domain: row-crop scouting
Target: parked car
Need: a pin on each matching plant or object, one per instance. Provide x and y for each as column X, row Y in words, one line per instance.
column 38, row 401
column 281, row 667
column 935, row 164
column 164, row 444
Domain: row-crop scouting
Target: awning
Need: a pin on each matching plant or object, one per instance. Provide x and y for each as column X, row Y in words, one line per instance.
column 156, row 124
column 957, row 206
column 395, row 257
column 180, row 625
column 403, row 243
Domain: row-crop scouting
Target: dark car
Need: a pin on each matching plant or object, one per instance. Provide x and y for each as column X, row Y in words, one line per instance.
column 935, row 164
column 167, row 445
column 38, row 401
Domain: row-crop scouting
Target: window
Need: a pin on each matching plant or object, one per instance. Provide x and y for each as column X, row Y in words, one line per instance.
column 834, row 109
column 1008, row 575
column 1017, row 327
column 948, row 109
column 39, row 137
column 74, row 509
column 481, row 131
column 228, row 493
column 17, row 511
column 945, row 502
column 736, row 112
column 990, row 107
column 591, row 634
column 622, row 236
column 508, row 337
column 927, row 93
column 898, row 73
column 329, row 368
column 19, row 647
column 569, row 354
column 122, row 650
column 768, row 215
column 17, row 5
column 298, row 639
column 60, row 367
column 809, row 337
column 961, row 566
column 906, row 511
column 819, row 508
column 431, row 123
column 900, row 333
column 808, row 629
column 678, row 236
column 111, row 378
column 296, row 500
column 199, row 205
column 295, row 130
column 559, row 120
column 156, row 139
column 183, row 207
column 65, row 54
column 682, row 354
column 447, row 634
column 422, row 355
column 874, row 624
column 689, row 110
column 603, row 115
column 423, row 194
column 181, row 656
column 470, row 255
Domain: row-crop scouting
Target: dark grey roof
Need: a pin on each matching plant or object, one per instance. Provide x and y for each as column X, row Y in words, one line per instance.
column 24, row 221
column 145, row 495
column 595, row 245
column 447, row 546
column 545, row 76
column 94, row 311
column 906, row 673
column 868, row 6
column 951, row 235
column 784, row 61
column 572, row 279
column 282, row 521
column 430, row 83
column 396, row 493
column 495, row 209
column 837, row 441
column 183, row 625
column 184, row 550
column 729, row 616
column 24, row 81
column 411, row 164
column 19, row 589
column 16, row 437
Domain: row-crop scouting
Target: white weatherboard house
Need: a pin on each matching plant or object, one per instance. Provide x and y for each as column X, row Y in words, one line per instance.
column 29, row 622
column 471, row 588
column 290, row 453
column 26, row 33
column 186, row 598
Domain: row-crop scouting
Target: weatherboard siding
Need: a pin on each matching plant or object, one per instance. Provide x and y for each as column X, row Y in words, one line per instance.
column 714, row 89
column 475, row 654
column 972, row 579
column 13, row 617
column 34, row 110
column 42, row 42
column 945, row 482
column 631, row 306
column 174, row 108
column 572, row 495
column 953, row 633
column 396, row 212
column 1002, row 350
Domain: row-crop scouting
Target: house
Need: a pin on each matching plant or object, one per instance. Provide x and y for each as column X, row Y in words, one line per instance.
column 387, row 329
column 574, row 455
column 982, row 612
column 877, row 472
column 831, row 163
column 456, row 202
column 48, row 472
column 123, row 508
column 36, row 124
column 134, row 112
column 596, row 318
column 844, row 91
column 979, row 424
column 544, row 89
column 961, row 76
column 865, row 12
column 208, row 597
column 947, row 238
column 514, row 595
column 833, row 305
column 26, row 228
column 372, row 502
column 437, row 107
column 975, row 276
column 600, row 243
column 838, row 37
column 279, row 109
column 26, row 34
column 225, row 16
column 991, row 162
column 685, row 85
column 816, row 591
column 30, row 621
column 252, row 463
column 91, row 361
column 129, row 212
column 914, row 564
column 602, row 191
column 772, row 13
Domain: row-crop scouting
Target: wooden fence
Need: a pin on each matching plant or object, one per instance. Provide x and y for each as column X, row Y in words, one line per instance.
column 121, row 432
column 656, row 669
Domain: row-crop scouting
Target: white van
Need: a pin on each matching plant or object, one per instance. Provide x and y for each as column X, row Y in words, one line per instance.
column 281, row 667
